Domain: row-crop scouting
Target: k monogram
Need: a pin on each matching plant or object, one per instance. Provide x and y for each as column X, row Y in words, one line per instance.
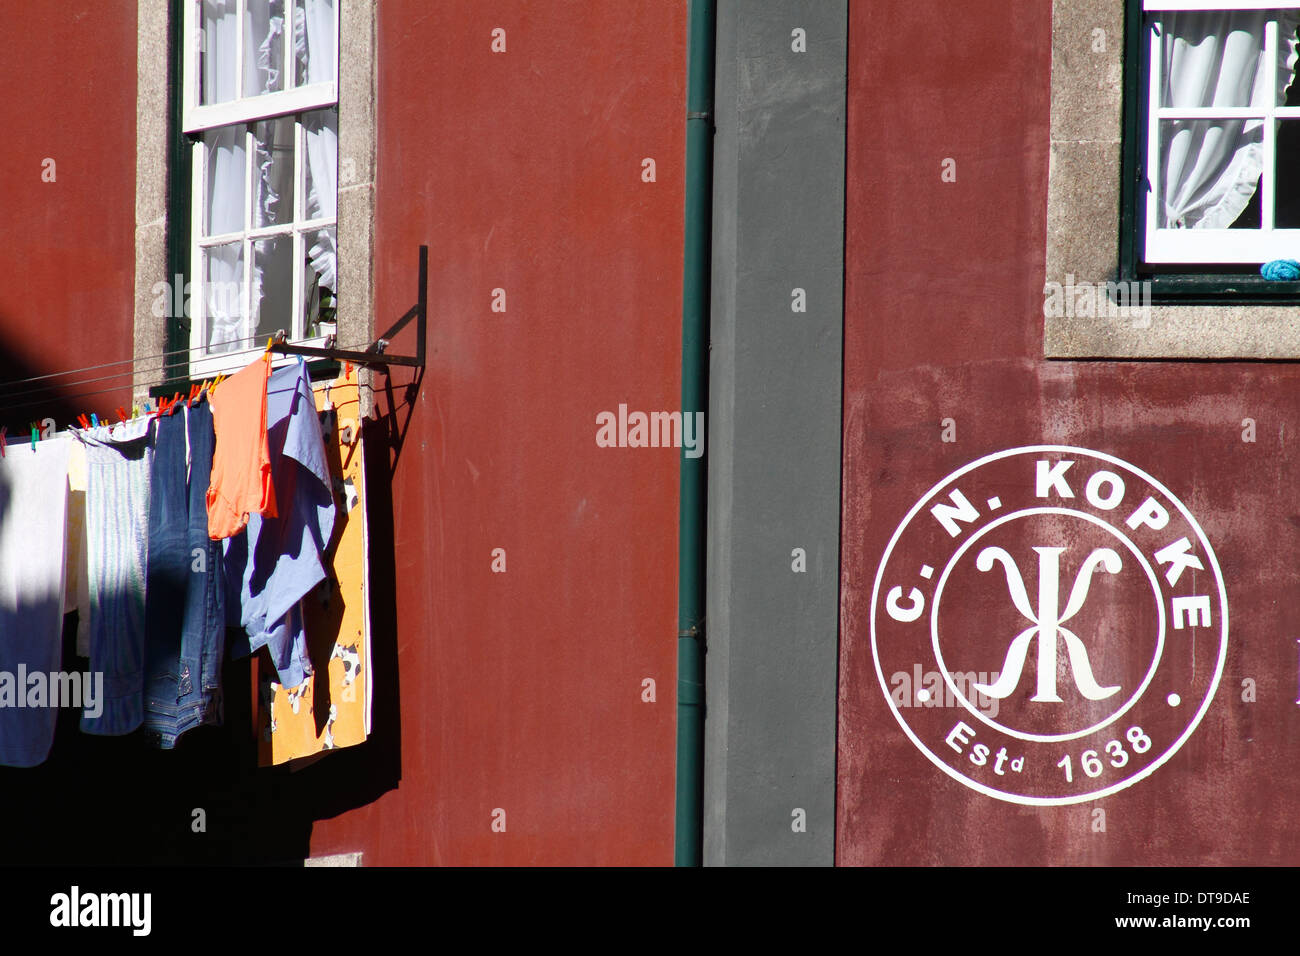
column 1047, row 623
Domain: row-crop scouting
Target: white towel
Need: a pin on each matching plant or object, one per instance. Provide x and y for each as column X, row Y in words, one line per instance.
column 33, row 515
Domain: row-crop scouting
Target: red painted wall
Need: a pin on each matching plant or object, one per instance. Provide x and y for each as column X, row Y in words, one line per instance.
column 522, row 171
column 67, row 247
column 943, row 319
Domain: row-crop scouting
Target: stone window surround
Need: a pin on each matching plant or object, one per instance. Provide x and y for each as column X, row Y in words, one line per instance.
column 356, row 202
column 1083, row 209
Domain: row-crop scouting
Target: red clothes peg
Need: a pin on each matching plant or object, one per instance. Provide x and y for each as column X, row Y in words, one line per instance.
column 4, row 431
column 84, row 421
column 121, row 413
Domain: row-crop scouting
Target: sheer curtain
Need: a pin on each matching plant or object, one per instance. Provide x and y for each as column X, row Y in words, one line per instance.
column 1211, row 168
column 271, row 272
column 314, row 51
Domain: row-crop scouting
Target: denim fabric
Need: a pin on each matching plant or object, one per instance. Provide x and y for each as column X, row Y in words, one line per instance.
column 185, row 609
column 118, row 469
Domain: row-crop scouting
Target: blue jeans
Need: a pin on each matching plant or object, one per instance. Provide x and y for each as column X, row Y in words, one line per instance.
column 185, row 615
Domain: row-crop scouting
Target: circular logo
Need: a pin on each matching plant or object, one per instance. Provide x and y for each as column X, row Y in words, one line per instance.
column 1049, row 625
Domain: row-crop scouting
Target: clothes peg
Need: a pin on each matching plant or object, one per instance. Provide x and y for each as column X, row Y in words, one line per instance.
column 83, row 421
column 4, row 431
column 121, row 413
column 94, row 419
column 34, row 429
column 135, row 411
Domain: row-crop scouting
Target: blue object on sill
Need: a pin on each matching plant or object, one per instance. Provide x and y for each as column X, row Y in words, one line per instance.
column 1281, row 270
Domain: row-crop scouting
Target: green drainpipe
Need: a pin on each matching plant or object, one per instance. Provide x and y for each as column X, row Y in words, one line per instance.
column 695, row 390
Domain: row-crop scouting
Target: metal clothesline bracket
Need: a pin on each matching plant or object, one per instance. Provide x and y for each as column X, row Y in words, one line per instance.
column 376, row 354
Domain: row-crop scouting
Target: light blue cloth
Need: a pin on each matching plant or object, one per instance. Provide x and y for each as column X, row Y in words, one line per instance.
column 274, row 562
column 117, row 548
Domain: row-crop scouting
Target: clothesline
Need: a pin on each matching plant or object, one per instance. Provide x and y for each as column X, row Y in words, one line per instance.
column 140, row 358
column 180, row 541
column 58, row 391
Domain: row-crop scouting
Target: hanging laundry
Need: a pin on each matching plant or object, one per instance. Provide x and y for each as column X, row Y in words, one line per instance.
column 277, row 559
column 241, row 467
column 185, row 612
column 118, row 465
column 78, row 579
column 331, row 708
column 33, row 515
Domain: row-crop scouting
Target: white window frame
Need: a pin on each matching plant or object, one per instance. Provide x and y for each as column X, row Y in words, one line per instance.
column 1204, row 246
column 245, row 111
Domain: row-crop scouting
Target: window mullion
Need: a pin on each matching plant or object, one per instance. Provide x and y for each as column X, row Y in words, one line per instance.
column 299, row 321
column 286, row 46
column 240, row 13
column 1267, row 180
column 191, row 69
column 250, row 157
column 1152, row 166
column 198, row 280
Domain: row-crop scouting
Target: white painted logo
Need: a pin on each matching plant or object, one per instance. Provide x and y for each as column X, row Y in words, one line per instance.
column 1047, row 623
column 1101, row 679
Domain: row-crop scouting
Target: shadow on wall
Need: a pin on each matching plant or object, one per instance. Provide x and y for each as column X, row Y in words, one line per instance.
column 120, row 800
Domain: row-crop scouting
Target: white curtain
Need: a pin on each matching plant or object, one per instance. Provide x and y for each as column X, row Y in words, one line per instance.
column 320, row 133
column 315, row 58
column 313, row 41
column 224, row 296
column 224, row 266
column 263, row 47
column 220, row 33
column 314, row 50
column 1211, row 168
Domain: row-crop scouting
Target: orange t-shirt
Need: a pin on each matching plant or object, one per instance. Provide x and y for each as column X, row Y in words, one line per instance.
column 241, row 461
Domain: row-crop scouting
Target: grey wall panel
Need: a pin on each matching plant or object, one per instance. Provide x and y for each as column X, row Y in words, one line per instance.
column 774, row 432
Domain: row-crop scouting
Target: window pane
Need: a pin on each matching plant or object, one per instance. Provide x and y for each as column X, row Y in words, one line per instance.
column 263, row 47
column 224, row 192
column 273, row 285
column 1287, row 181
column 320, row 280
column 223, row 277
column 1216, row 58
column 273, row 165
column 217, row 68
column 313, row 41
column 320, row 165
column 1252, row 217
column 1209, row 171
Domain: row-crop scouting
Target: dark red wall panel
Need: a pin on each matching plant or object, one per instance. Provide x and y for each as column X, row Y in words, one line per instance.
column 944, row 299
column 67, row 247
column 522, row 171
